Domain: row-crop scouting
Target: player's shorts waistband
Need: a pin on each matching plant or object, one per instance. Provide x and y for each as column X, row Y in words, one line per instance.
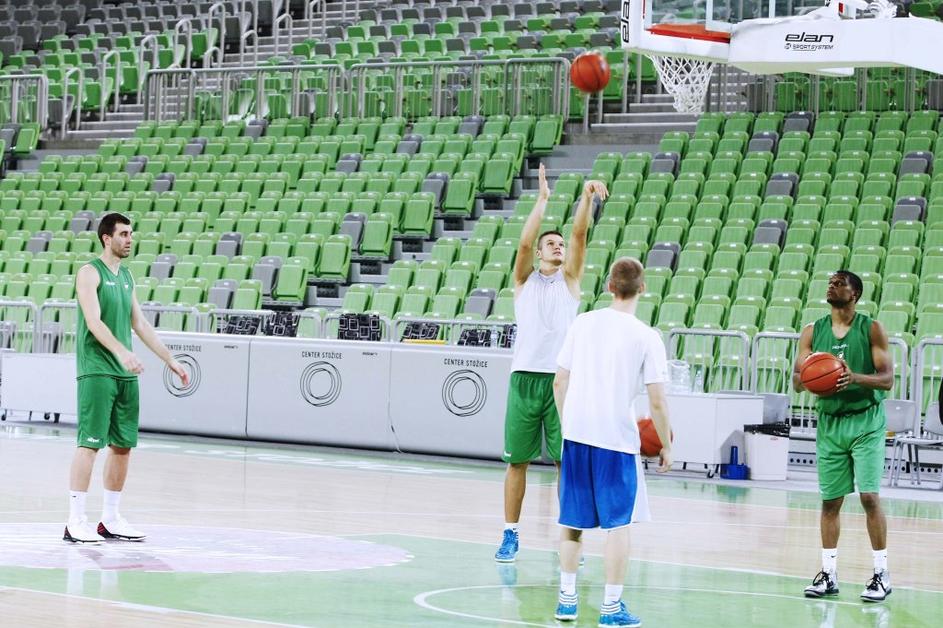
column 851, row 413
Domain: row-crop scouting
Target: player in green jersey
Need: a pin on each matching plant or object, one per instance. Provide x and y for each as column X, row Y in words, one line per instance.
column 851, row 428
column 107, row 373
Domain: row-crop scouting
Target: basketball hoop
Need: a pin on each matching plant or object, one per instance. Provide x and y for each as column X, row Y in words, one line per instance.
column 685, row 79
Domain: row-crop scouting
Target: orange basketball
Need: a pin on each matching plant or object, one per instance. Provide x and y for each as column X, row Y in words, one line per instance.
column 590, row 72
column 651, row 444
column 820, row 373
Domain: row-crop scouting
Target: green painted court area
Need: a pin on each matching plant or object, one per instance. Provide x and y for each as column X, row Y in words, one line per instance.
column 440, row 571
column 455, row 583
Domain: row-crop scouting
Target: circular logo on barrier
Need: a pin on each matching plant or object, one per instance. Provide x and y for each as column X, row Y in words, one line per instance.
column 173, row 384
column 320, row 384
column 464, row 393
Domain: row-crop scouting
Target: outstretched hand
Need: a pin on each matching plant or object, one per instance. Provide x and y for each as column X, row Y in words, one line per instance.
column 543, row 190
column 595, row 187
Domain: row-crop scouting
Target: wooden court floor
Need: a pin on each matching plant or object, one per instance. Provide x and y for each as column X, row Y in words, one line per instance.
column 258, row 534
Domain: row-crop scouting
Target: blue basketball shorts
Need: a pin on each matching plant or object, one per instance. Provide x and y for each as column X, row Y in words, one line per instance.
column 598, row 487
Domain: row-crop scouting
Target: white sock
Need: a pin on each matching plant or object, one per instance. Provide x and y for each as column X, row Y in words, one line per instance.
column 880, row 560
column 830, row 560
column 511, row 526
column 110, row 507
column 77, row 504
column 613, row 594
column 567, row 583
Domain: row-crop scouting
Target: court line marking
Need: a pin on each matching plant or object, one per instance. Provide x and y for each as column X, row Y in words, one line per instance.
column 551, row 518
column 421, row 599
column 761, row 572
column 164, row 610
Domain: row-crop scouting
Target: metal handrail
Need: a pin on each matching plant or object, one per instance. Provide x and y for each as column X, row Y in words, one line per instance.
column 905, row 368
column 188, row 54
column 252, row 32
column 219, row 7
column 26, row 304
column 42, row 95
column 309, row 16
column 916, row 383
column 276, row 31
column 356, row 76
column 78, row 98
column 188, row 310
column 675, row 334
column 158, row 81
column 754, row 375
column 49, row 305
column 102, row 106
column 155, row 61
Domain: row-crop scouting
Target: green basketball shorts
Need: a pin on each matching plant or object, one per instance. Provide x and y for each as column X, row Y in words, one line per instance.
column 849, row 451
column 531, row 411
column 108, row 412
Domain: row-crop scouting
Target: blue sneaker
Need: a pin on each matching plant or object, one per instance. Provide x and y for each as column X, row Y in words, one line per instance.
column 616, row 614
column 508, row 549
column 566, row 607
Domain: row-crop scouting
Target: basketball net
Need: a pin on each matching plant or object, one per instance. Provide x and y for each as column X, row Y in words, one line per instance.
column 685, row 79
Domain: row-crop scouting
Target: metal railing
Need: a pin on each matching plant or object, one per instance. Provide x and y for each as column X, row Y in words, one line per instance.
column 449, row 77
column 190, row 317
column 66, row 76
column 277, row 31
column 188, row 42
column 220, row 8
column 103, row 105
column 309, row 16
column 172, row 94
column 251, row 32
column 27, row 90
column 13, row 329
column 148, row 40
column 701, row 346
column 922, row 382
column 50, row 342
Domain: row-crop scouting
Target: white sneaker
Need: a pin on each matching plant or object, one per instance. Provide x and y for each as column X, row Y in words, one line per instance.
column 120, row 529
column 78, row 531
column 878, row 587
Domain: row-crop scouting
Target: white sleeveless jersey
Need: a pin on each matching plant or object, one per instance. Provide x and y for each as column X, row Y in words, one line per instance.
column 543, row 309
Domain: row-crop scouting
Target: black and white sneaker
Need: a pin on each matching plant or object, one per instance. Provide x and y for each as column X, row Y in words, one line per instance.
column 825, row 583
column 878, row 588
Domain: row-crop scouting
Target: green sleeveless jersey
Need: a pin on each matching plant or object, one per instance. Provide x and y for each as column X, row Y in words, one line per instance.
column 115, row 294
column 855, row 349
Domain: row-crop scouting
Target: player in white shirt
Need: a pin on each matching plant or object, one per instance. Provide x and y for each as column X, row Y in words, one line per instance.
column 607, row 356
column 545, row 303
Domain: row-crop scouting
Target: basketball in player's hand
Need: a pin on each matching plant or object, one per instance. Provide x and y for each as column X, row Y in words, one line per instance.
column 590, row 72
column 820, row 373
column 651, row 444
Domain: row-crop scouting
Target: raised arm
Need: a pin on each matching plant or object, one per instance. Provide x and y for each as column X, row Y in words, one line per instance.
column 576, row 249
column 803, row 352
column 883, row 377
column 86, row 289
column 524, row 263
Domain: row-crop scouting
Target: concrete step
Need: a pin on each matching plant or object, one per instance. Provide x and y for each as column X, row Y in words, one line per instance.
column 122, row 115
column 670, row 116
column 111, row 125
